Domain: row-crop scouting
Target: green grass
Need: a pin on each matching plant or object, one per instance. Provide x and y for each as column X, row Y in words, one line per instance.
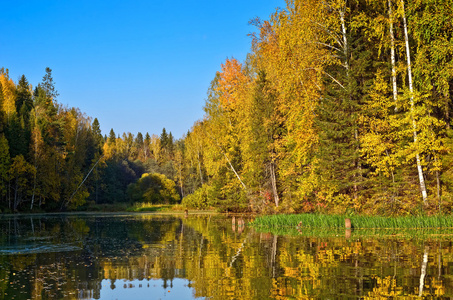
column 336, row 221
column 141, row 207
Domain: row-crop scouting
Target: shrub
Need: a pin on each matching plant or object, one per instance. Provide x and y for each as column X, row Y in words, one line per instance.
column 202, row 198
column 153, row 188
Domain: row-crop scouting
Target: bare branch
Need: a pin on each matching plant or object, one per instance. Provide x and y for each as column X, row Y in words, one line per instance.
column 333, row 78
column 336, row 37
column 327, row 45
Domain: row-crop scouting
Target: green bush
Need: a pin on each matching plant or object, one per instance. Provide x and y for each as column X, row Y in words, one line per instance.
column 201, row 198
column 153, row 188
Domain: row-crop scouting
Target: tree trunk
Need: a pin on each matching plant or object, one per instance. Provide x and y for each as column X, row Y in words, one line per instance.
column 393, row 180
column 274, row 255
column 438, row 189
column 438, row 186
column 199, row 168
column 229, row 162
column 234, row 171
column 357, row 163
column 33, row 195
column 274, row 183
column 180, row 180
column 414, row 123
column 423, row 272
column 392, row 56
column 65, row 203
column 345, row 39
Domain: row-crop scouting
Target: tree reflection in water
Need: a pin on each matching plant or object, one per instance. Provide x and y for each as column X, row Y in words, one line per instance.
column 215, row 257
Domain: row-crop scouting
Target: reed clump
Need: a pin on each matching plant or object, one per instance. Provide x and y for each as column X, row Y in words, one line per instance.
column 338, row 221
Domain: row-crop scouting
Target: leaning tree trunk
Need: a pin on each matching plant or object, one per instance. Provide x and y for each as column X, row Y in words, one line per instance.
column 414, row 123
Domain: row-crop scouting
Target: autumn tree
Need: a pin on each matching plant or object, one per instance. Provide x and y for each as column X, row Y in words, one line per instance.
column 221, row 129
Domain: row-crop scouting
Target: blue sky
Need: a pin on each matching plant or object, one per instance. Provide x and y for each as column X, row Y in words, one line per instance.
column 137, row 66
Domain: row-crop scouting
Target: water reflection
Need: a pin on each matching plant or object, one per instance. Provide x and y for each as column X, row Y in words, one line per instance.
column 216, row 257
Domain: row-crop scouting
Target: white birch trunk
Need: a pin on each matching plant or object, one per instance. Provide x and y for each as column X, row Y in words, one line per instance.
column 345, row 40
column 234, row 170
column 414, row 124
column 33, row 195
column 423, row 272
column 228, row 160
column 392, row 55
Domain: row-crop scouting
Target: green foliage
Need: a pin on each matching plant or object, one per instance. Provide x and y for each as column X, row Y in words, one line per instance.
column 48, row 85
column 142, row 206
column 153, row 188
column 5, row 161
column 97, row 134
column 202, row 198
column 21, row 173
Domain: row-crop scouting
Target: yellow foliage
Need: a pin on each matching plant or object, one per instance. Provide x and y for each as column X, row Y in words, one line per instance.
column 9, row 94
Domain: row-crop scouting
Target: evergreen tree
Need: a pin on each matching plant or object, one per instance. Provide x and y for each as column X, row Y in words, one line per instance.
column 97, row 134
column 146, row 146
column 139, row 140
column 170, row 144
column 4, row 168
column 24, row 100
column 48, row 85
column 164, row 139
column 340, row 165
column 112, row 137
column 261, row 131
column 18, row 136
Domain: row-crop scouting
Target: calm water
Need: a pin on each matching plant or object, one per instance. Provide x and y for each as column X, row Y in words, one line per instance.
column 206, row 257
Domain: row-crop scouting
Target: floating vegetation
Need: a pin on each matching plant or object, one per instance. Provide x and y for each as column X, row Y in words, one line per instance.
column 35, row 249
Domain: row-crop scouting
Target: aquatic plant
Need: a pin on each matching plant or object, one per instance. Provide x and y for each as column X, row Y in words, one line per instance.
column 338, row 221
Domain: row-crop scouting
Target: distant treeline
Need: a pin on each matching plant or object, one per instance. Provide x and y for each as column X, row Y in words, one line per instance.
column 55, row 158
column 340, row 106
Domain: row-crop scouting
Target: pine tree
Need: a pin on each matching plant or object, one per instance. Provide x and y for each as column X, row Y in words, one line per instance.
column 164, row 139
column 97, row 134
column 262, row 131
column 112, row 138
column 24, row 100
column 48, row 85
column 5, row 161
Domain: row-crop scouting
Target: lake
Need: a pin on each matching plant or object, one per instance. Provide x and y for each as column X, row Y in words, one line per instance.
column 150, row 256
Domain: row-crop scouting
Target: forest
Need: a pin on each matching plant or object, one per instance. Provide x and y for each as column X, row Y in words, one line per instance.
column 340, row 107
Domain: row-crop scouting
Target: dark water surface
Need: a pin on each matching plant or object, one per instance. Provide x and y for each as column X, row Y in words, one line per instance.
column 146, row 256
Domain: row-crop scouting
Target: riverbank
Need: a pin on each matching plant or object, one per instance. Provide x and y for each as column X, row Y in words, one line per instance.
column 121, row 208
